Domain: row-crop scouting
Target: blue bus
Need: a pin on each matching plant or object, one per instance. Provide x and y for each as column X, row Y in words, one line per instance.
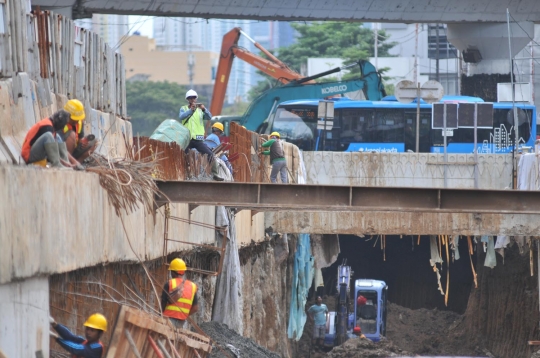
column 390, row 126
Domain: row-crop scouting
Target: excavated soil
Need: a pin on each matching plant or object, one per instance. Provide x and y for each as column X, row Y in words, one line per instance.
column 229, row 342
column 426, row 332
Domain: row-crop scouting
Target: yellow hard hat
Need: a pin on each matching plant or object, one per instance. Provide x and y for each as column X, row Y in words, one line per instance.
column 96, row 321
column 76, row 109
column 218, row 126
column 275, row 134
column 178, row 265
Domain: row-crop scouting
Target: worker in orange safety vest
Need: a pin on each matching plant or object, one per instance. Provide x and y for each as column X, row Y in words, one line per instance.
column 179, row 297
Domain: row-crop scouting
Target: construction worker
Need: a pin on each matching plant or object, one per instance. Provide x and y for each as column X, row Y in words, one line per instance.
column 78, row 145
column 318, row 312
column 277, row 158
column 179, row 297
column 212, row 141
column 91, row 347
column 191, row 117
column 43, row 143
column 357, row 331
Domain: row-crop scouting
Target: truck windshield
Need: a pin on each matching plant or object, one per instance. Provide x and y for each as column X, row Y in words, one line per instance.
column 297, row 126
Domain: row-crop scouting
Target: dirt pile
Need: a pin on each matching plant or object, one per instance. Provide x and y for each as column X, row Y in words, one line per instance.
column 232, row 343
column 357, row 347
column 427, row 332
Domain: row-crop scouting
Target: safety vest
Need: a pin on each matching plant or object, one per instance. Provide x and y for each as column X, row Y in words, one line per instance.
column 194, row 123
column 33, row 134
column 181, row 308
column 77, row 130
column 84, row 343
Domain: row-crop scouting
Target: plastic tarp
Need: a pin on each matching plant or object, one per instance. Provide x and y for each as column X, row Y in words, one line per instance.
column 229, row 301
column 302, row 279
column 170, row 130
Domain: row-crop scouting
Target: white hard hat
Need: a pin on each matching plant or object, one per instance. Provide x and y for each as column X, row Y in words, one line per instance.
column 191, row 93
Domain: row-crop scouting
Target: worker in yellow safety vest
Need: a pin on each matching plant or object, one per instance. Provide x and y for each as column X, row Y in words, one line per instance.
column 179, row 297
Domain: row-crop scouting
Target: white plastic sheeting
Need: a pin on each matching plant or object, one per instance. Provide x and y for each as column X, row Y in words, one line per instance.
column 302, row 279
column 229, row 301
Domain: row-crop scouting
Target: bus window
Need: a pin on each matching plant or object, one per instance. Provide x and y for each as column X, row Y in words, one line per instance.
column 387, row 126
column 409, row 132
column 354, row 124
column 297, row 126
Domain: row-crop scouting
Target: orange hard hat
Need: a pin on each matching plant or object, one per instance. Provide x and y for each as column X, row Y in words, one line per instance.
column 357, row 329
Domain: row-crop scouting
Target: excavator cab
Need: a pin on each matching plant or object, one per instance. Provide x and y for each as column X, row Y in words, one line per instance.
column 370, row 309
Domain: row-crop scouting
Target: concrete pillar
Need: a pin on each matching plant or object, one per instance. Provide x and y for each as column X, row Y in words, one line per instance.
column 24, row 318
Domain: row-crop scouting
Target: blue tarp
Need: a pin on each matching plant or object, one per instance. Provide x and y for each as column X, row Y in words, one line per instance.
column 302, row 279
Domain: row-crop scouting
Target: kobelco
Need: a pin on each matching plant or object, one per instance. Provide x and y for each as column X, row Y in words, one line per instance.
column 340, row 88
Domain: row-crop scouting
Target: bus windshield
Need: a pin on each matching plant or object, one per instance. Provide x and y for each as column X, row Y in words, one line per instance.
column 297, row 126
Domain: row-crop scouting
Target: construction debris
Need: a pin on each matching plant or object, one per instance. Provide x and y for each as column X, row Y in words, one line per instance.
column 137, row 333
column 227, row 341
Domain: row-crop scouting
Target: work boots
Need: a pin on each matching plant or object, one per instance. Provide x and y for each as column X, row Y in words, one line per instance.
column 53, row 155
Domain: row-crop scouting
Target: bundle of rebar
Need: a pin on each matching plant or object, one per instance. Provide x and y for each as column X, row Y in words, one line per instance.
column 128, row 182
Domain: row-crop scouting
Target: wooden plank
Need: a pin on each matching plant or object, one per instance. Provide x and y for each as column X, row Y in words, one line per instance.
column 144, row 321
column 117, row 332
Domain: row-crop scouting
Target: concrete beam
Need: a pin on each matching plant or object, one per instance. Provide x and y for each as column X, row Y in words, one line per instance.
column 402, row 223
column 360, row 10
column 268, row 197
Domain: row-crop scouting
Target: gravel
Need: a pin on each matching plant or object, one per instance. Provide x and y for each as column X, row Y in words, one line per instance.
column 241, row 346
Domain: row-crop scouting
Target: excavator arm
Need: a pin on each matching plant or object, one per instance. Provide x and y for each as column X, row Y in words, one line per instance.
column 272, row 66
column 265, row 105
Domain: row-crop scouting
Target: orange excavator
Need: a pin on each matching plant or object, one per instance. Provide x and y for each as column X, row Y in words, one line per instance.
column 229, row 49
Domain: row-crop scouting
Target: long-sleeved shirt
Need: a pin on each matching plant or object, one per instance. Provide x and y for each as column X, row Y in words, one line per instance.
column 275, row 150
column 184, row 113
column 74, row 344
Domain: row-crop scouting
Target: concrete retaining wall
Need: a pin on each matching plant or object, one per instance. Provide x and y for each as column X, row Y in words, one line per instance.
column 423, row 170
column 24, row 323
column 57, row 221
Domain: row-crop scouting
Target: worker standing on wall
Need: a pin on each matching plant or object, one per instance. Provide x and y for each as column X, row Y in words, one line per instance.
column 191, row 117
column 78, row 145
column 179, row 297
column 277, row 158
column 91, row 347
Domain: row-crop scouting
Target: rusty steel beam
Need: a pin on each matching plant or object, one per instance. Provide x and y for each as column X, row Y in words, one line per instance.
column 269, row 197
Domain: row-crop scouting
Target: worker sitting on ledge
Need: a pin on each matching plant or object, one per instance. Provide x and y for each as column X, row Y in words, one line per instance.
column 78, row 145
column 91, row 347
column 277, row 158
column 179, row 297
column 43, row 143
column 212, row 141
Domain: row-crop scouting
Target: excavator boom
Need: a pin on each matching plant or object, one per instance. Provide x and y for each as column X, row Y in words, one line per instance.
column 273, row 67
